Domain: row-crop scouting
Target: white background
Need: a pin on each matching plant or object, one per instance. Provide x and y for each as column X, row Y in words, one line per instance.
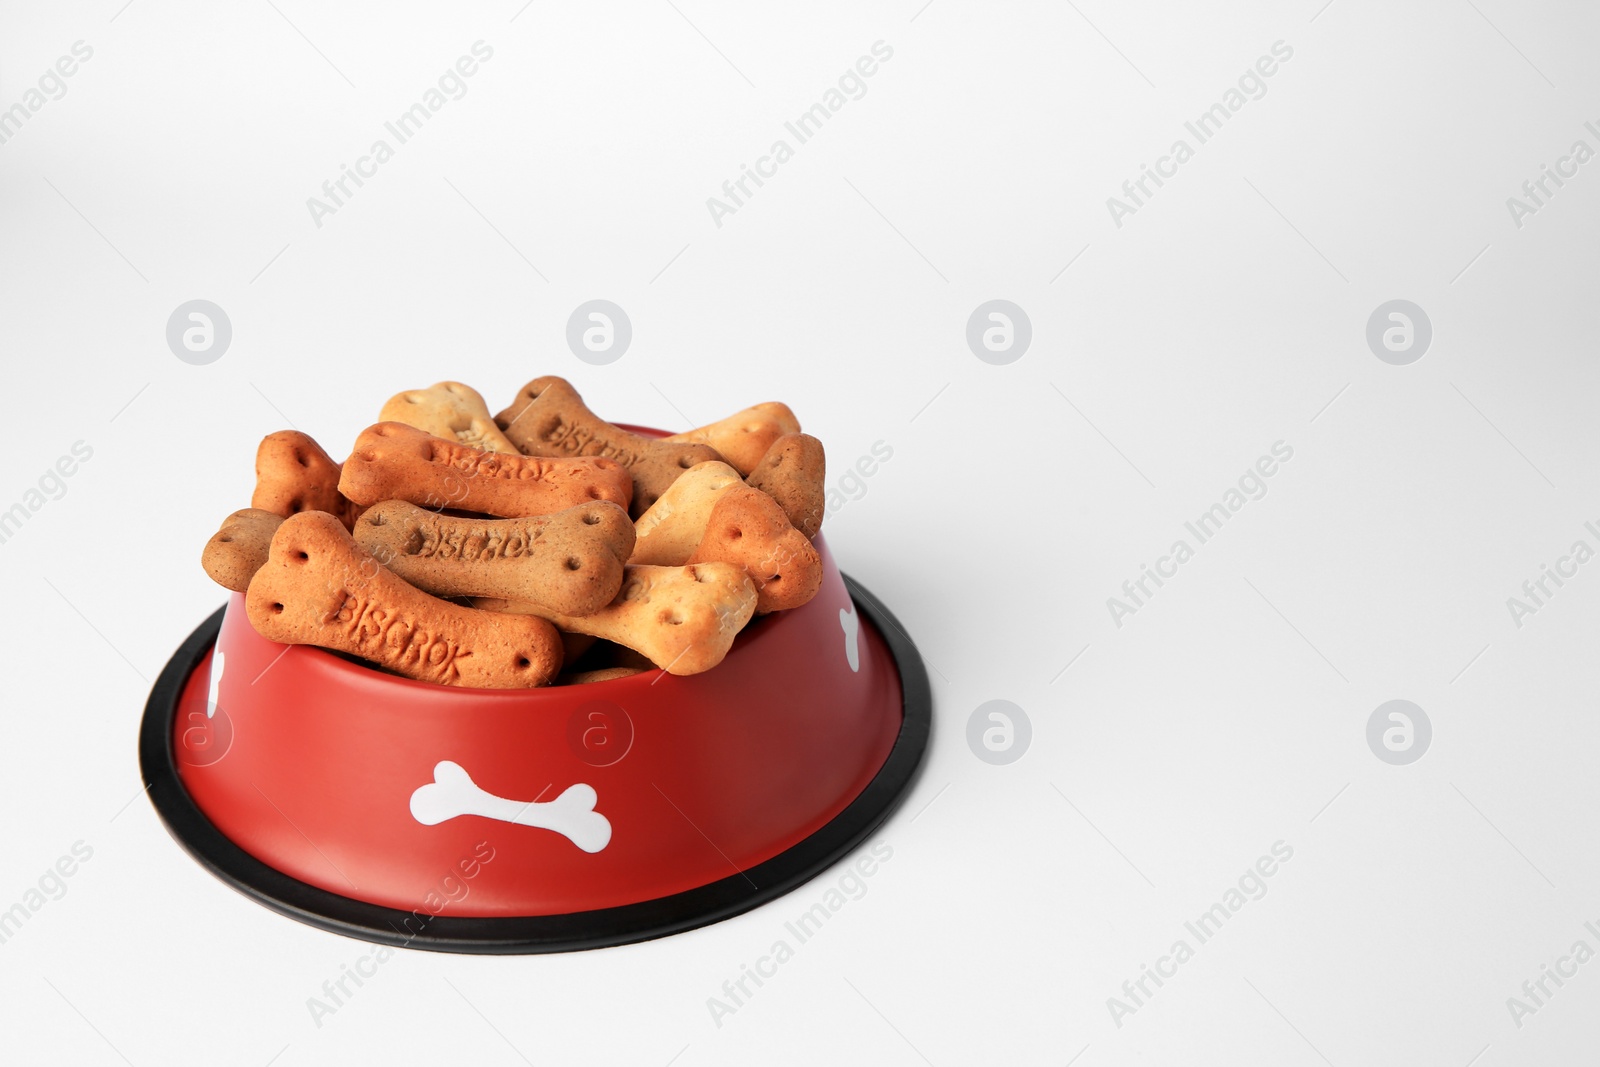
column 1227, row 314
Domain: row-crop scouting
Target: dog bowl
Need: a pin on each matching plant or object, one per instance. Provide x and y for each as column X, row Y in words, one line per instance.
column 537, row 820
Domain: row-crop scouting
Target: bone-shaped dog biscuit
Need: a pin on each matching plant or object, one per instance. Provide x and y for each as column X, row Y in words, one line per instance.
column 744, row 437
column 318, row 587
column 570, row 561
column 450, row 410
column 670, row 531
column 748, row 528
column 393, row 461
column 548, row 418
column 794, row 473
column 239, row 548
column 684, row 619
column 294, row 474
column 711, row 515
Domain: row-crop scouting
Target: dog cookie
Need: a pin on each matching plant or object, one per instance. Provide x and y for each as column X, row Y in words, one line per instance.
column 548, row 418
column 237, row 550
column 604, row 674
column 393, row 461
column 450, row 410
column 294, row 474
column 570, row 561
column 793, row 472
column 684, row 619
column 318, row 587
column 748, row 528
column 670, row 530
column 744, row 437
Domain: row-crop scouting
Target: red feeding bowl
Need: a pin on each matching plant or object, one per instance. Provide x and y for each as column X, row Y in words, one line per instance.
column 536, row 820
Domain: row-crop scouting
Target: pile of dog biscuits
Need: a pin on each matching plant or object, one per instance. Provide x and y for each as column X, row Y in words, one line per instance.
column 539, row 546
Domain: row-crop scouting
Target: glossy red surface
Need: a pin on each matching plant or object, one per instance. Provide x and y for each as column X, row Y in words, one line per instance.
column 310, row 762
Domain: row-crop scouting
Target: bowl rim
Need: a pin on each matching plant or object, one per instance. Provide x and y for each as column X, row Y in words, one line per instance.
column 599, row 928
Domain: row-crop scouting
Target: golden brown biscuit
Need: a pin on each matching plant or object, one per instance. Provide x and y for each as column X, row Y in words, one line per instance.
column 393, row 461
column 744, row 437
column 670, row 530
column 794, row 473
column 748, row 528
column 239, row 548
column 318, row 587
column 683, row 618
column 548, row 418
column 570, row 561
column 450, row 410
column 294, row 474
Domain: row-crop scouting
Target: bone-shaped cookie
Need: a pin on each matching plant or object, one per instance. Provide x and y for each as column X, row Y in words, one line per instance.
column 670, row 531
column 794, row 473
column 294, row 474
column 393, row 461
column 453, row 793
column 744, row 437
column 318, row 587
column 239, row 548
column 684, row 619
column 548, row 418
column 450, row 410
column 715, row 517
column 571, row 561
column 748, row 528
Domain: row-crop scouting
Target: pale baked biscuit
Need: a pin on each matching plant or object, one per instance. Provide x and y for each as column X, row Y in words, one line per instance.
column 670, row 530
column 450, row 410
column 744, row 437
column 684, row 619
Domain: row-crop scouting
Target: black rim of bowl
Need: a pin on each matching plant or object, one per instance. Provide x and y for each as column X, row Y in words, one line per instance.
column 599, row 928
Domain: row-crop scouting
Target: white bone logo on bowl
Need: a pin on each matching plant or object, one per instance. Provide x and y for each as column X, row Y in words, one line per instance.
column 218, row 662
column 852, row 629
column 453, row 793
